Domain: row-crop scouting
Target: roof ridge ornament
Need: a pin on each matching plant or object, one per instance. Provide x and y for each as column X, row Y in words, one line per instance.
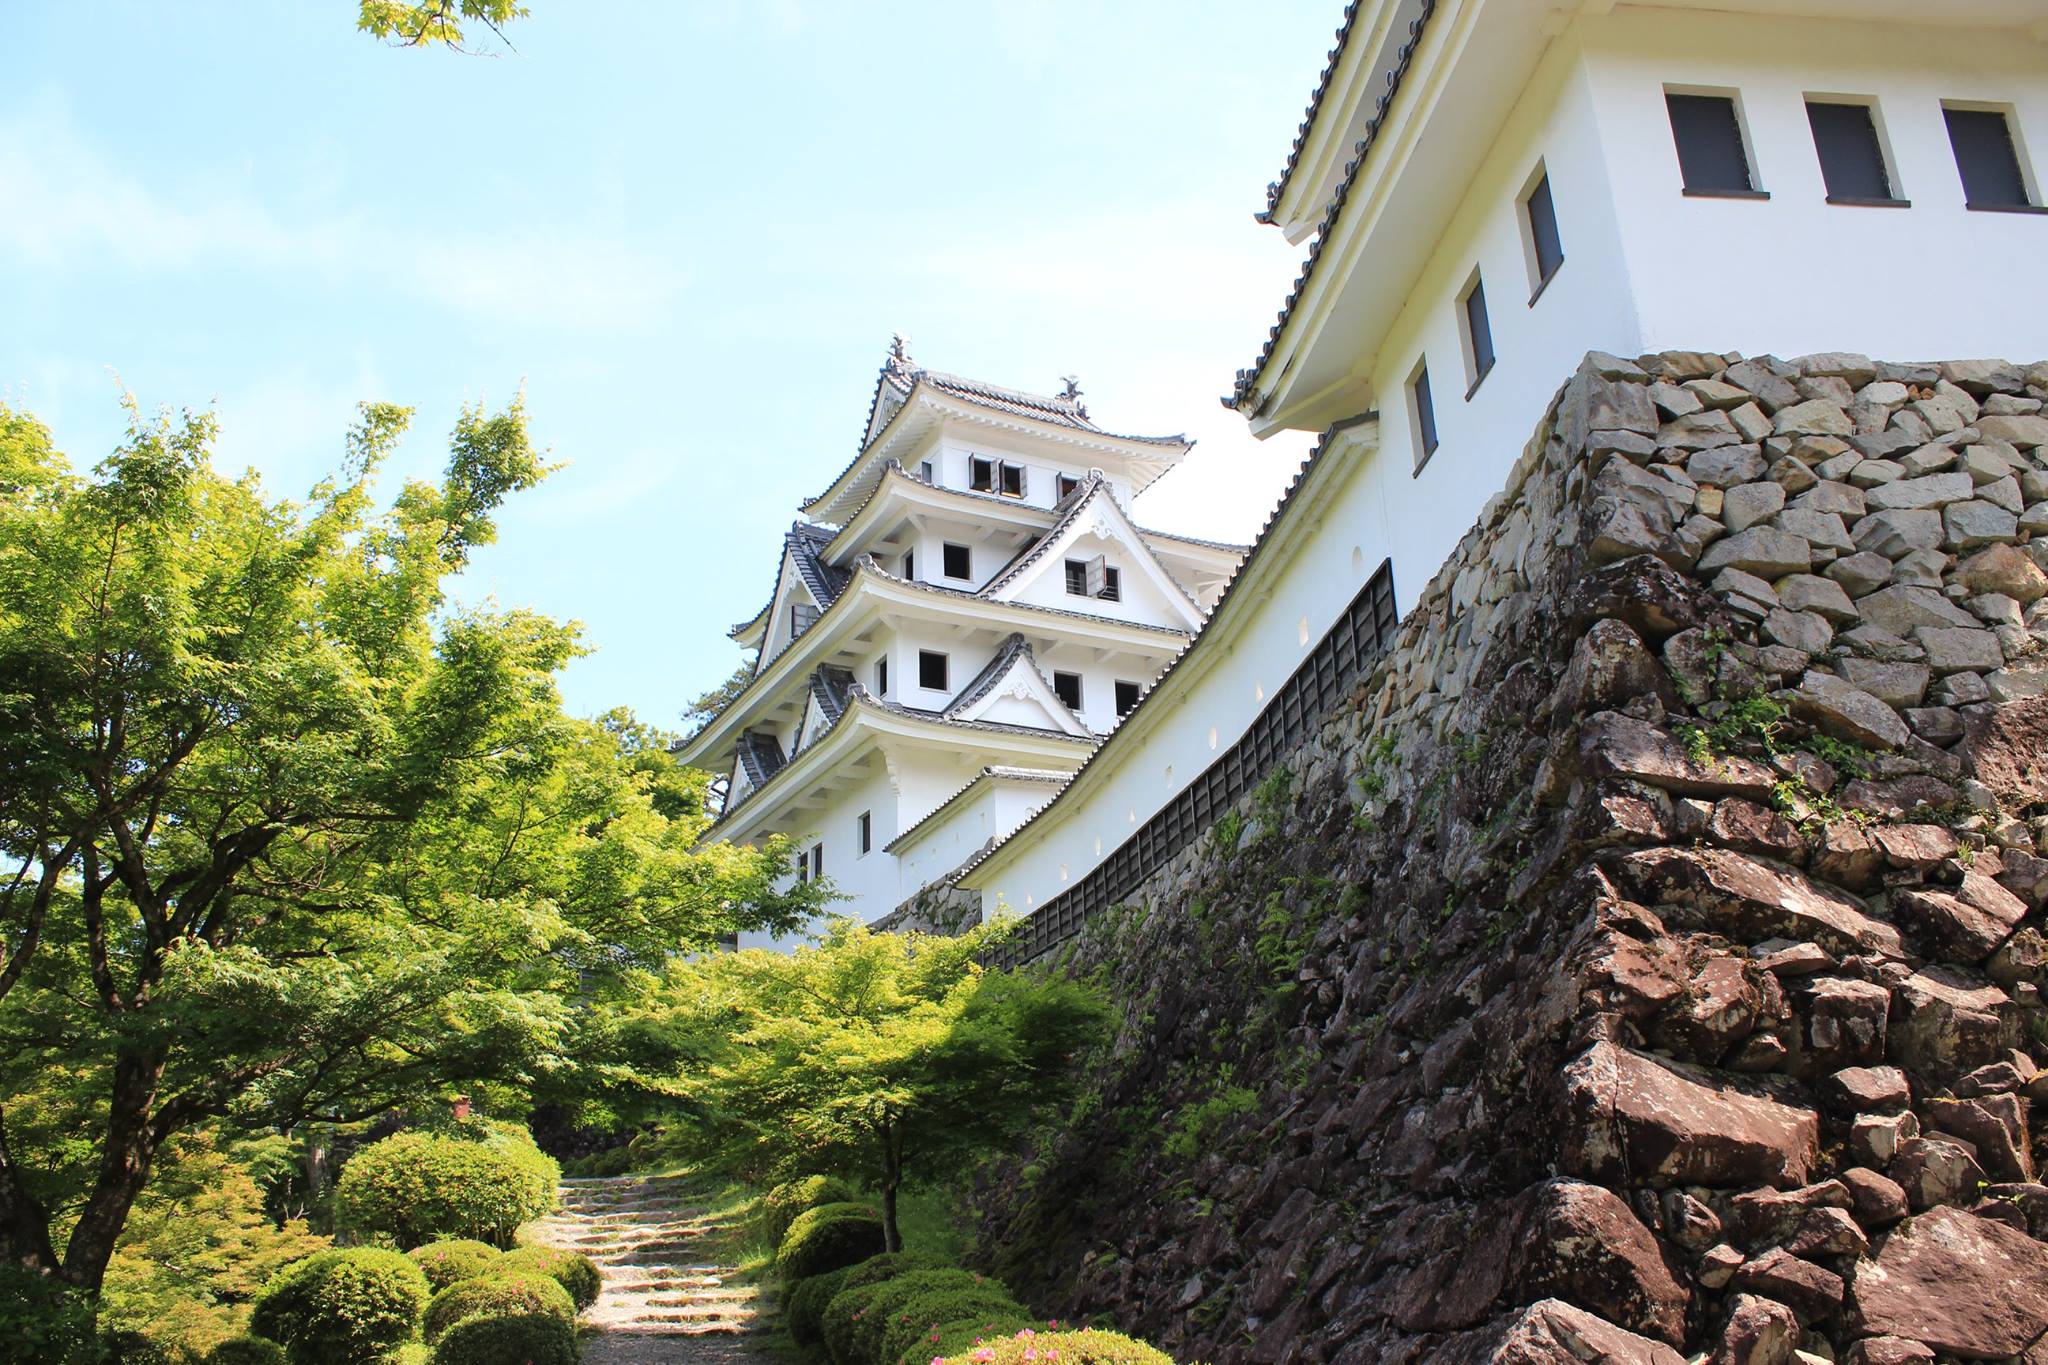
column 899, row 362
column 1070, row 392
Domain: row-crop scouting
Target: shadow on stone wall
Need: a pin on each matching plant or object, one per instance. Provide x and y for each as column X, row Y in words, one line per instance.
column 1646, row 961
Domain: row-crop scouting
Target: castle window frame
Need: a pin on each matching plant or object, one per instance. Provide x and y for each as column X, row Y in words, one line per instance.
column 1716, row 159
column 1475, row 329
column 882, row 676
column 864, row 831
column 981, row 474
column 1855, row 157
column 1542, row 246
column 957, row 561
column 1990, row 159
column 933, row 668
column 1067, row 687
column 1128, row 695
column 1422, row 414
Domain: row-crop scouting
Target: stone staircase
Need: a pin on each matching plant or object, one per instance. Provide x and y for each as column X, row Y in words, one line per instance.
column 665, row 1301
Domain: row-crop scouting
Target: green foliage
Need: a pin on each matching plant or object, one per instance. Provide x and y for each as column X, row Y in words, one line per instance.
column 420, row 1186
column 246, row 1351
column 1229, row 830
column 126, row 1346
column 780, row 1206
column 842, row 1317
column 864, row 1340
column 803, row 1303
column 292, row 839
column 1198, row 1122
column 889, row 1058
column 452, row 1259
column 963, row 1336
column 912, row 1318
column 522, row 1339
column 574, row 1271
column 200, row 1242
column 44, row 1318
column 342, row 1307
column 705, row 708
column 431, row 22
column 497, row 1296
column 828, row 1237
column 1072, row 1348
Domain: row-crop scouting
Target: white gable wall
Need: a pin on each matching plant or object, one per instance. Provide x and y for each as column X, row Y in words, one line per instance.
column 995, row 808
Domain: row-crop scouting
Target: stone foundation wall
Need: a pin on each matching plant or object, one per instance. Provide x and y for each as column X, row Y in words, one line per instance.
column 935, row 909
column 1647, row 962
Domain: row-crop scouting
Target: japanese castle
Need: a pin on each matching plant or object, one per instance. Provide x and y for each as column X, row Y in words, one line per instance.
column 957, row 621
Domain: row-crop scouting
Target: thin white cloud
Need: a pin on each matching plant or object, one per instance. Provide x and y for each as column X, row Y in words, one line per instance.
column 69, row 208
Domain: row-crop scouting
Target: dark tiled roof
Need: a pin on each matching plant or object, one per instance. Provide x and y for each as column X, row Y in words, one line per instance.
column 805, row 544
column 831, row 685
column 982, row 683
column 1247, row 378
column 761, row 755
column 1064, row 511
column 1308, row 120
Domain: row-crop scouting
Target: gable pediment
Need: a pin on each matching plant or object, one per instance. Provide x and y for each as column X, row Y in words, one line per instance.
column 1096, row 532
column 1012, row 691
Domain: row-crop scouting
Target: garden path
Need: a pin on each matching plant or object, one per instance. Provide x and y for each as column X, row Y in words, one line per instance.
column 665, row 1300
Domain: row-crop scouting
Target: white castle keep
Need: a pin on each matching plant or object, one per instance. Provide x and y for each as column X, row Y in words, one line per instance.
column 960, row 618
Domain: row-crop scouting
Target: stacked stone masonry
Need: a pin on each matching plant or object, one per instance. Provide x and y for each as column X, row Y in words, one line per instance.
column 1647, row 964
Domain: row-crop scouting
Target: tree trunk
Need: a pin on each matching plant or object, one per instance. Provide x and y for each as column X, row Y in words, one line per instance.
column 892, row 1180
column 124, row 1169
column 24, row 1223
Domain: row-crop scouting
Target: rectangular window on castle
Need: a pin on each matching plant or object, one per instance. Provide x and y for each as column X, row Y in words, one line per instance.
column 881, row 677
column 1112, row 584
column 1478, row 334
column 931, row 670
column 818, row 861
column 1077, row 577
column 1539, row 222
column 981, row 474
column 864, row 831
column 1067, row 687
column 1711, row 154
column 1987, row 158
column 924, row 471
column 1423, row 408
column 1851, row 157
column 1127, row 694
column 1068, row 483
column 959, row 561
column 1013, row 480
column 910, row 566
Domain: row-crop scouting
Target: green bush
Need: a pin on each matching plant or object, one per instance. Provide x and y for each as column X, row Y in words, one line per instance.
column 963, row 1336
column 781, row 1205
column 612, row 1161
column 126, row 1346
column 803, row 1303
column 843, row 1314
column 913, row 1303
column 497, row 1296
column 44, row 1318
column 246, row 1351
column 828, row 1237
column 528, row 1339
column 341, row 1307
column 889, row 1265
column 911, row 1324
column 1074, row 1348
column 419, row 1187
column 453, row 1259
column 573, row 1271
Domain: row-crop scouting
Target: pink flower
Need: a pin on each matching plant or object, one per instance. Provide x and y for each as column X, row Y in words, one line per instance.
column 986, row 1353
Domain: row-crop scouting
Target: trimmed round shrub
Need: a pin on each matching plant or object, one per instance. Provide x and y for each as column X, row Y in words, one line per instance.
column 888, row 1308
column 908, row 1326
column 889, row 1265
column 781, row 1205
column 1075, row 1348
column 497, row 1296
column 419, row 1187
column 828, row 1237
column 528, row 1339
column 572, row 1270
column 962, row 1337
column 246, row 1351
column 803, row 1304
column 453, row 1259
column 842, row 1318
column 341, row 1307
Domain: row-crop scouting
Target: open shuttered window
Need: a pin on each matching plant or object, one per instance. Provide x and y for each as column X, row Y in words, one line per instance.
column 1987, row 159
column 1708, row 134
column 1851, row 157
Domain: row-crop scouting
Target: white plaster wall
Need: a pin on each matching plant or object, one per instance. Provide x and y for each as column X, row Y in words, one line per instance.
column 1794, row 274
column 993, row 811
column 1418, row 517
column 1141, row 600
column 1320, row 574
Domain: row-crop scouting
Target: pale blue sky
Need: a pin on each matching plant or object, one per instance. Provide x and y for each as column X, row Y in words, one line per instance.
column 688, row 227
